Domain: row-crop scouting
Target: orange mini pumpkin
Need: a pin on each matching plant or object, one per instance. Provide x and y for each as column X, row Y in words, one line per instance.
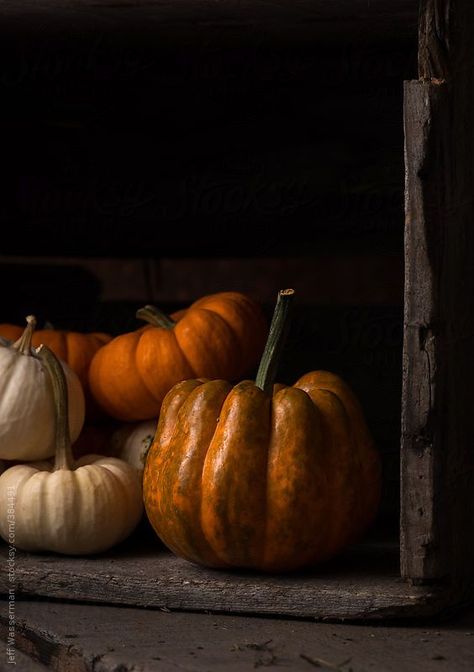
column 219, row 336
column 258, row 475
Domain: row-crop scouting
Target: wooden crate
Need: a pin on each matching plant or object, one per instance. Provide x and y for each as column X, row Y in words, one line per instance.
column 428, row 570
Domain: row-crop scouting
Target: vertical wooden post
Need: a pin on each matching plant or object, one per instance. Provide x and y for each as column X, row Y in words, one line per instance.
column 437, row 449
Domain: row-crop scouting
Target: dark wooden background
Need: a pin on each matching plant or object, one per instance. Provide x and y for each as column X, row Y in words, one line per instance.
column 154, row 151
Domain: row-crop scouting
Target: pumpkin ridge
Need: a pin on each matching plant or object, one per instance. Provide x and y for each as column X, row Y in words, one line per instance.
column 196, row 392
column 179, row 332
column 185, row 357
column 339, row 539
column 201, row 493
column 103, row 386
column 245, row 312
column 360, row 448
column 265, row 486
column 40, row 482
column 366, row 459
column 293, row 409
column 93, row 476
column 10, row 379
column 232, row 508
column 144, row 376
column 190, row 540
column 117, row 481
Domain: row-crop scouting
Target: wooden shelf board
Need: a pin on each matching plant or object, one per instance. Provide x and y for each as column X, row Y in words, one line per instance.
column 364, row 584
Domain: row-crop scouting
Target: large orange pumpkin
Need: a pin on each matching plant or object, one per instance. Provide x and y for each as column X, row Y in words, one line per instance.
column 75, row 348
column 219, row 336
column 258, row 475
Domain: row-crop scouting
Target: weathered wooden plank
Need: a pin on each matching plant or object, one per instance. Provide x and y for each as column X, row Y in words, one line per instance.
column 109, row 639
column 17, row 660
column 280, row 18
column 327, row 280
column 365, row 584
column 437, row 517
column 422, row 455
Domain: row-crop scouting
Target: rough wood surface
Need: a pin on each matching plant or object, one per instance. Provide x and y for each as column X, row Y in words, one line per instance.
column 347, row 280
column 20, row 660
column 279, row 18
column 437, row 521
column 365, row 584
column 77, row 638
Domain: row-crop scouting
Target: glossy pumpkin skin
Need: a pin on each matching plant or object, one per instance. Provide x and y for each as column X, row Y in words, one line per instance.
column 235, row 478
column 219, row 336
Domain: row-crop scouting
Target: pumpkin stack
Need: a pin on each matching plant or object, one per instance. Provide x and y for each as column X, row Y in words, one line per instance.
column 218, row 336
column 258, row 475
column 251, row 474
column 64, row 506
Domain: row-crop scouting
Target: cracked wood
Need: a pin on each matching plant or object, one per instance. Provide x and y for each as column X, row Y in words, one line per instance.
column 437, row 459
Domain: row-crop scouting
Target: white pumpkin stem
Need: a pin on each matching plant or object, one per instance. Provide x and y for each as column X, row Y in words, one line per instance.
column 23, row 344
column 64, row 458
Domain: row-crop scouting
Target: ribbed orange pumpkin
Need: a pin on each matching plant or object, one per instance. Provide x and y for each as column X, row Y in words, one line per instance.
column 219, row 336
column 259, row 476
column 75, row 348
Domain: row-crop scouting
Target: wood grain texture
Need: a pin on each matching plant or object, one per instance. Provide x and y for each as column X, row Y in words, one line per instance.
column 73, row 638
column 438, row 368
column 365, row 584
column 435, row 32
column 327, row 280
column 281, row 19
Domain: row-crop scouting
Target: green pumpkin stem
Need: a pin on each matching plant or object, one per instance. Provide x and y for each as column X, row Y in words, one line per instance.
column 155, row 317
column 279, row 327
column 64, row 458
column 23, row 344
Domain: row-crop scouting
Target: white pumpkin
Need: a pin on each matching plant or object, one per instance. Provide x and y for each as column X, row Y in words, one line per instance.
column 131, row 443
column 68, row 508
column 86, row 509
column 27, row 410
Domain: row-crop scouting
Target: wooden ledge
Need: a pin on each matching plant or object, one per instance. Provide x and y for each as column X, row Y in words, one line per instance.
column 364, row 584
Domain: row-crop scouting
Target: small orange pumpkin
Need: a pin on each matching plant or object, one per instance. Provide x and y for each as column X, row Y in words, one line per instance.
column 219, row 336
column 75, row 348
column 262, row 476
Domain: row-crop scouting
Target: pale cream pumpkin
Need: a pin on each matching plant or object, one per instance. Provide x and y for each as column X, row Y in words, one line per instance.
column 131, row 442
column 68, row 508
column 27, row 410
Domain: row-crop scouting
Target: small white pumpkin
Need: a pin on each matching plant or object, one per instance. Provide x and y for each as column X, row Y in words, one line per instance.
column 74, row 509
column 131, row 443
column 27, row 409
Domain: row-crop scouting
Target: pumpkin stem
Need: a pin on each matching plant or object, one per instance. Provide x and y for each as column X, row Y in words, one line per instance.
column 268, row 368
column 23, row 344
column 155, row 317
column 64, row 458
